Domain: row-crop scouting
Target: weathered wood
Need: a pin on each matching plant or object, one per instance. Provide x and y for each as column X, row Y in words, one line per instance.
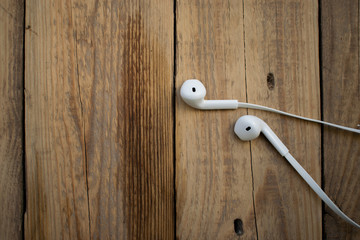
column 341, row 97
column 213, row 167
column 11, row 119
column 56, row 184
column 99, row 119
column 282, row 71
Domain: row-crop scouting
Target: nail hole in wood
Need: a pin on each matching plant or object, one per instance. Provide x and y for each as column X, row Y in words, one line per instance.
column 270, row 79
column 238, row 227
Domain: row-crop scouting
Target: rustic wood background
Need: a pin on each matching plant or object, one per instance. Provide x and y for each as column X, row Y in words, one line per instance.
column 96, row 143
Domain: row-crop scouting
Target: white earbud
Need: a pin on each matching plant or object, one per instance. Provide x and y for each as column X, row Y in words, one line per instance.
column 193, row 93
column 249, row 127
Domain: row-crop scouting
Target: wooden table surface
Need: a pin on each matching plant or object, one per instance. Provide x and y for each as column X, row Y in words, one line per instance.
column 96, row 143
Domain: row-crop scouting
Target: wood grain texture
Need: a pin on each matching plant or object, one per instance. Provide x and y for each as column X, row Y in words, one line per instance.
column 341, row 96
column 213, row 167
column 99, row 120
column 281, row 38
column 11, row 119
column 56, row 183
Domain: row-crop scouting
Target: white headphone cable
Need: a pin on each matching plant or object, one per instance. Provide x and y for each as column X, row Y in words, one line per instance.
column 317, row 189
column 259, row 107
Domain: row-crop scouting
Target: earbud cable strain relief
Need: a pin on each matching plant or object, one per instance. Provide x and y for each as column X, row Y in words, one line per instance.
column 317, row 189
column 259, row 107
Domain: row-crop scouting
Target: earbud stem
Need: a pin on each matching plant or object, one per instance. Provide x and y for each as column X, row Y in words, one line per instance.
column 275, row 141
column 219, row 104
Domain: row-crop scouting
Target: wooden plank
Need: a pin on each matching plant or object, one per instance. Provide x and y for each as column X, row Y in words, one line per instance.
column 213, row 167
column 127, row 96
column 11, row 119
column 281, row 38
column 341, row 95
column 99, row 119
column 56, row 184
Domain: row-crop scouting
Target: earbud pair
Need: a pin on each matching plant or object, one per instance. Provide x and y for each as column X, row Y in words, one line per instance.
column 249, row 127
column 193, row 92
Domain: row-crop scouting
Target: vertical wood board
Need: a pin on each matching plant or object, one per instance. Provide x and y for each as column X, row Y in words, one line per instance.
column 213, row 167
column 11, row 119
column 341, row 96
column 282, row 72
